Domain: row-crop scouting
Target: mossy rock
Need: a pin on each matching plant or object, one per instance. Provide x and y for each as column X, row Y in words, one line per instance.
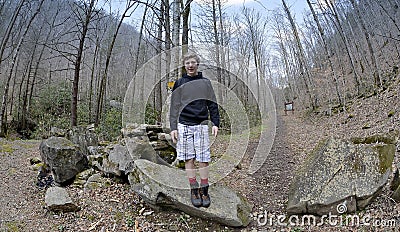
column 339, row 170
column 36, row 167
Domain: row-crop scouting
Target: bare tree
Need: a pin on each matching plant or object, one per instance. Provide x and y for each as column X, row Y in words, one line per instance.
column 326, row 51
column 185, row 26
column 288, row 75
column 9, row 29
column 377, row 77
column 3, row 114
column 103, row 81
column 301, row 59
column 345, row 40
column 88, row 11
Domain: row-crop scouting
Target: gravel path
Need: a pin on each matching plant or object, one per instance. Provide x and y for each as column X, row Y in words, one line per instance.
column 267, row 189
column 21, row 201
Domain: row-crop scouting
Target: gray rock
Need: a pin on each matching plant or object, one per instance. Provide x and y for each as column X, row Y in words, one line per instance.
column 396, row 178
column 395, row 185
column 340, row 176
column 120, row 155
column 113, row 159
column 58, row 200
column 154, row 128
column 63, row 157
column 140, row 148
column 95, row 157
column 138, row 143
column 396, row 195
column 134, row 130
column 160, row 145
column 82, row 177
column 84, row 137
column 161, row 186
column 96, row 181
column 163, row 136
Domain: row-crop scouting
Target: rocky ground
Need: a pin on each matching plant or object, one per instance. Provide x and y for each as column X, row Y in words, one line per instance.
column 117, row 208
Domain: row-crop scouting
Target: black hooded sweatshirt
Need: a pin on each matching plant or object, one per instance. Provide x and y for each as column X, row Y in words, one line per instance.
column 193, row 101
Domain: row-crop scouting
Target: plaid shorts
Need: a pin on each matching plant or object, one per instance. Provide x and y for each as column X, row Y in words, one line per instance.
column 193, row 142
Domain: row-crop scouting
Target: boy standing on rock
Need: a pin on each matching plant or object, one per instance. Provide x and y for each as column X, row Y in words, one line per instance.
column 193, row 102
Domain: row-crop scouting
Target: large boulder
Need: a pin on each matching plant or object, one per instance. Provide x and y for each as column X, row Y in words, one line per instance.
column 341, row 176
column 64, row 158
column 165, row 187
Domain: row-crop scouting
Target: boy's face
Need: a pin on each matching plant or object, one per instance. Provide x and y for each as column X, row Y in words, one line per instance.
column 191, row 66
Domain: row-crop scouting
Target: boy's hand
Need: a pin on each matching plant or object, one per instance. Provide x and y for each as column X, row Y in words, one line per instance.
column 214, row 131
column 174, row 136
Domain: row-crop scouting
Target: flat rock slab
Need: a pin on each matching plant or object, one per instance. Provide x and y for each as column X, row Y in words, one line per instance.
column 57, row 199
column 341, row 176
column 161, row 186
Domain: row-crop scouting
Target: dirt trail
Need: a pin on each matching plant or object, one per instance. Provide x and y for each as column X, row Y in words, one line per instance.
column 20, row 199
column 273, row 178
column 267, row 189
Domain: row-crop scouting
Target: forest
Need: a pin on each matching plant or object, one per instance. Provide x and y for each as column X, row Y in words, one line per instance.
column 65, row 63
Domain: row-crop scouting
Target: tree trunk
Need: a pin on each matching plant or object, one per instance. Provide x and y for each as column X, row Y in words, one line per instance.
column 326, row 50
column 168, row 41
column 158, row 101
column 302, row 59
column 3, row 114
column 185, row 26
column 176, row 23
column 346, row 44
column 377, row 76
column 225, row 75
column 9, row 29
column 217, row 46
column 78, row 62
column 103, row 81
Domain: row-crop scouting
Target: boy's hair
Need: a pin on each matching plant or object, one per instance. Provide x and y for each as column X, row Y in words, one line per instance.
column 190, row 56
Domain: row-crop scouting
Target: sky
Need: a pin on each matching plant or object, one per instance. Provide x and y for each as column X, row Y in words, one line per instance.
column 296, row 6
